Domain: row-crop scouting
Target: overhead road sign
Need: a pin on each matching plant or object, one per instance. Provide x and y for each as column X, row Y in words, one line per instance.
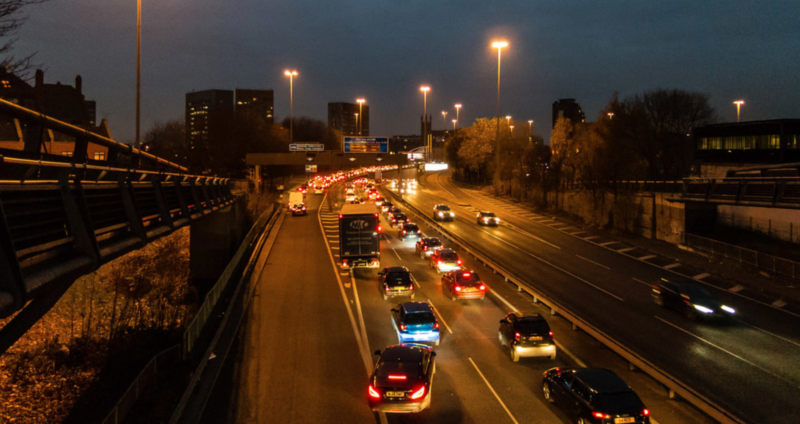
column 366, row 145
column 306, row 147
column 311, row 168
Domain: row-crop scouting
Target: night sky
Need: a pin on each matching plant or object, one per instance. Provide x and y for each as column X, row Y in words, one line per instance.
column 384, row 50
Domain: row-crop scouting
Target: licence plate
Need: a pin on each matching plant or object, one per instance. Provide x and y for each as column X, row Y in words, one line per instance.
column 624, row 420
column 398, row 288
column 400, row 394
column 534, row 338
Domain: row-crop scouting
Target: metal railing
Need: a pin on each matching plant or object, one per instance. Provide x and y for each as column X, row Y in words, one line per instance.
column 162, row 365
column 776, row 265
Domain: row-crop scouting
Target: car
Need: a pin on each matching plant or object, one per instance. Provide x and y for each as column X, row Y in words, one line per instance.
column 427, row 245
column 298, row 209
column 391, row 211
column 402, row 379
column 445, row 260
column 303, row 188
column 463, row 285
column 443, row 213
column 488, row 218
column 386, row 205
column 349, row 197
column 398, row 219
column 396, row 281
column 409, row 231
column 526, row 334
column 594, row 395
column 691, row 299
column 318, row 190
column 415, row 322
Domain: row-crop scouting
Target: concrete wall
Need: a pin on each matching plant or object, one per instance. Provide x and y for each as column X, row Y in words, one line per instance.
column 778, row 223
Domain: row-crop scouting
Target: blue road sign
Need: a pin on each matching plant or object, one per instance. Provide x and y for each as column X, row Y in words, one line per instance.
column 366, row 145
column 306, row 147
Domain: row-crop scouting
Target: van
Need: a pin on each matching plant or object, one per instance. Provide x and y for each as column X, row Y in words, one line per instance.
column 296, row 198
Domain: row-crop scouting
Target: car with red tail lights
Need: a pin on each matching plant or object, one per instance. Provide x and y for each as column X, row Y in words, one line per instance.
column 409, row 231
column 396, row 281
column 427, row 245
column 594, row 396
column 415, row 322
column 359, row 242
column 463, row 285
column 402, row 379
column 526, row 334
column 445, row 260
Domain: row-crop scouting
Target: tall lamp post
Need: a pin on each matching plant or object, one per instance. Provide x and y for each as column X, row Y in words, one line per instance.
column 508, row 120
column 356, row 128
column 425, row 89
column 444, row 118
column 458, row 107
column 530, row 130
column 291, row 75
column 499, row 46
column 454, row 125
column 511, row 129
column 138, row 68
column 360, row 102
column 738, row 104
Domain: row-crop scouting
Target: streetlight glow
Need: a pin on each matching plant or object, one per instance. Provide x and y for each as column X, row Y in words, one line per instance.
column 444, row 117
column 360, row 124
column 454, row 124
column 738, row 104
column 499, row 45
column 291, row 74
column 610, row 115
column 530, row 130
column 425, row 89
column 508, row 119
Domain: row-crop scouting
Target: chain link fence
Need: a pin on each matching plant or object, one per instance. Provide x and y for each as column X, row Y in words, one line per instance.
column 778, row 266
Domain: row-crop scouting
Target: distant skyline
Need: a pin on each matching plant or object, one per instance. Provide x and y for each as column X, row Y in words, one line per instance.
column 384, row 51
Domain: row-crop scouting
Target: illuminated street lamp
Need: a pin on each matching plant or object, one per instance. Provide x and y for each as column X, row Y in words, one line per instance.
column 425, row 89
column 508, row 119
column 444, row 117
column 356, row 121
column 499, row 46
column 610, row 115
column 738, row 104
column 530, row 130
column 454, row 124
column 138, row 68
column 360, row 102
column 511, row 127
column 291, row 75
column 458, row 107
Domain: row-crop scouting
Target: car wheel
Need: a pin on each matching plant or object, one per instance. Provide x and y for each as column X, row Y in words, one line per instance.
column 546, row 391
column 514, row 355
column 658, row 301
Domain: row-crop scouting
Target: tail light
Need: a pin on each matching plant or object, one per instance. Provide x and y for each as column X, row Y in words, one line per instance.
column 396, row 377
column 341, row 216
column 517, row 336
column 418, row 394
column 436, row 327
column 304, row 208
column 403, row 327
column 411, row 287
column 482, row 287
column 457, row 288
column 374, row 393
column 551, row 334
column 404, row 231
column 600, row 415
column 394, row 221
column 645, row 412
column 459, row 261
column 419, row 231
column 380, row 228
column 344, row 263
column 376, row 214
column 386, row 288
column 425, row 248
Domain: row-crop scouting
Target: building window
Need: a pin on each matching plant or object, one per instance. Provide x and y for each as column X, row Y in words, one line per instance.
column 67, row 154
column 793, row 143
column 99, row 155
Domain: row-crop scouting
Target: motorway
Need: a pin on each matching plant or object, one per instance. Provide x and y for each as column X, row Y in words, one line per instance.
column 307, row 341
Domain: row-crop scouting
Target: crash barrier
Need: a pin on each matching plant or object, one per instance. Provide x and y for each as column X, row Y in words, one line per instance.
column 774, row 264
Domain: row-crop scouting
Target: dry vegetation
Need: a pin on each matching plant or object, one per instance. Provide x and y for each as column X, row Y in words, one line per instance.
column 103, row 315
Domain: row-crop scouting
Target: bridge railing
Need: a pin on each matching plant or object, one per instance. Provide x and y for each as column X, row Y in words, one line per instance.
column 774, row 264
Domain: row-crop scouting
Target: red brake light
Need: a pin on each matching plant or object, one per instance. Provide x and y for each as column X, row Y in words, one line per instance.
column 418, row 394
column 394, row 220
column 396, row 377
column 425, row 248
column 459, row 261
column 341, row 216
column 411, row 287
column 458, row 288
column 403, row 327
column 551, row 334
column 645, row 412
column 373, row 392
column 404, row 231
column 419, row 231
column 517, row 336
column 376, row 214
column 466, row 275
column 482, row 287
column 436, row 325
column 600, row 415
column 379, row 228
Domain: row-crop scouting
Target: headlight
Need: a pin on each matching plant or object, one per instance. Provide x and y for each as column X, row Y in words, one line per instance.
column 703, row 309
column 441, row 214
column 728, row 309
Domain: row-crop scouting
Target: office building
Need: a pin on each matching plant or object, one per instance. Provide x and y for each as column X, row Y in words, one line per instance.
column 344, row 117
column 257, row 102
column 204, row 109
column 568, row 108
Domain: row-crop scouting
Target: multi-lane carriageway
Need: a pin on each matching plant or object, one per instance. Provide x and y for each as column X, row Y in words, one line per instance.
column 307, row 343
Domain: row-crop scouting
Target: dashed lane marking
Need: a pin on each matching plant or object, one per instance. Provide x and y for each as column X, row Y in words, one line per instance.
column 779, row 303
column 493, row 392
column 644, row 258
column 701, row 276
column 736, row 288
column 576, row 233
column 627, row 249
column 593, row 262
column 440, row 317
column 608, row 242
column 670, row 266
column 591, row 238
column 640, row 281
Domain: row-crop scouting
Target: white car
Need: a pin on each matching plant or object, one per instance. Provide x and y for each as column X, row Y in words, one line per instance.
column 318, row 190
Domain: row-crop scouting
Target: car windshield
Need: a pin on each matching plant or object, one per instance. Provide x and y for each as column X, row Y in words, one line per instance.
column 399, row 216
column 419, row 318
column 612, row 403
column 398, row 279
column 448, row 256
column 443, row 208
column 487, row 214
column 410, row 228
column 696, row 292
column 434, row 243
column 532, row 327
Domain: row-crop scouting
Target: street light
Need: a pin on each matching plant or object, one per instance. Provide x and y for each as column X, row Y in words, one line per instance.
column 425, row 89
column 356, row 122
column 458, row 107
column 360, row 102
column 138, row 68
column 454, row 124
column 444, row 117
column 499, row 46
column 508, row 119
column 291, row 74
column 530, row 130
column 511, row 127
column 610, row 115
column 738, row 104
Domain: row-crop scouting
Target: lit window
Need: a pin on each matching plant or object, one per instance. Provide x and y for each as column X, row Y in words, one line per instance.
column 99, row 155
column 67, row 154
column 6, row 84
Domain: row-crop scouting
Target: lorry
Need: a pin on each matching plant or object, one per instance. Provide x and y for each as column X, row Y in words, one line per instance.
column 378, row 176
column 359, row 236
column 296, row 198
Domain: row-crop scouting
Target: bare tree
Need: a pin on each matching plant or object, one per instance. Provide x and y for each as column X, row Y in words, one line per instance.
column 11, row 19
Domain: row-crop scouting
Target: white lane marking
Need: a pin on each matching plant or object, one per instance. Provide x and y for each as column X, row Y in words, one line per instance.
column 414, row 279
column 779, row 303
column 344, row 273
column 362, row 348
column 670, row 266
column 726, row 351
column 591, row 238
column 577, row 232
column 493, row 392
column 593, row 262
column 627, row 249
column 701, row 276
column 546, row 220
column 608, row 242
column 440, row 185
column 395, row 252
column 644, row 258
column 736, row 289
column 570, row 354
column 520, row 230
column 440, row 317
column 767, row 332
column 514, row 309
column 640, row 281
column 358, row 308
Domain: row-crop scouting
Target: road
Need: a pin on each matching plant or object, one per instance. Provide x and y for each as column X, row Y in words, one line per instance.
column 307, row 342
column 748, row 366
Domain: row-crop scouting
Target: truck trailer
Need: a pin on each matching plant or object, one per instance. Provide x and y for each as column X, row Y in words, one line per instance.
column 359, row 236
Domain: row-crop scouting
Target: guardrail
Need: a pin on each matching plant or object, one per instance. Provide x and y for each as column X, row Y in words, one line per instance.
column 673, row 384
column 152, row 373
column 780, row 266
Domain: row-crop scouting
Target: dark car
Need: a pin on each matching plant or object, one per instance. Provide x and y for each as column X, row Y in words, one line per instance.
column 445, row 260
column 409, row 231
column 594, row 395
column 427, row 245
column 386, row 205
column 488, row 218
column 402, row 379
column 691, row 299
column 415, row 322
column 443, row 213
column 298, row 209
column 526, row 334
column 396, row 281
column 463, row 285
column 398, row 219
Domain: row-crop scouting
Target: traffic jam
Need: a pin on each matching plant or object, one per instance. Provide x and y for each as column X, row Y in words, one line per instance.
column 402, row 378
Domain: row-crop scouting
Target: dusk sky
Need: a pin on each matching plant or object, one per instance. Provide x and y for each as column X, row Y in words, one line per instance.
column 384, row 50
